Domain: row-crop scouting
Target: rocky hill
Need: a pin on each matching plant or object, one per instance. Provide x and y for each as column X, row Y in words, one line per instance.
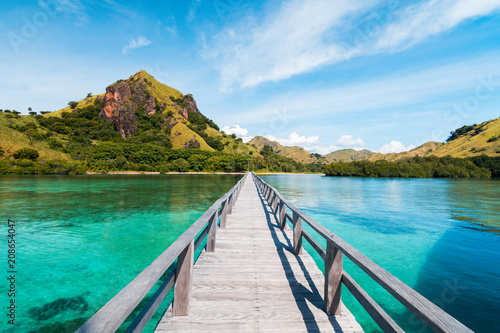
column 142, row 105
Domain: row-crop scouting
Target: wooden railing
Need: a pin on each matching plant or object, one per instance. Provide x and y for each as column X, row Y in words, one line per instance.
column 112, row 315
column 433, row 316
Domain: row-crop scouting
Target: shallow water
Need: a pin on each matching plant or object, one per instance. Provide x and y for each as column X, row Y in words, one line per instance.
column 441, row 237
column 81, row 239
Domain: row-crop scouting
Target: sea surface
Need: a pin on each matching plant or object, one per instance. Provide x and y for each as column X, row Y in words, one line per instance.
column 81, row 239
column 441, row 237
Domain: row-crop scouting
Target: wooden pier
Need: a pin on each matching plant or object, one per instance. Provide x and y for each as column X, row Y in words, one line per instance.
column 254, row 276
column 253, row 282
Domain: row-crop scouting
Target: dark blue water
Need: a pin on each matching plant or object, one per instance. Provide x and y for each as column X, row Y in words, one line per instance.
column 441, row 237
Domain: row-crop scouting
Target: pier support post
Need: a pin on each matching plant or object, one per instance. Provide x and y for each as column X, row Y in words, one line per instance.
column 297, row 234
column 333, row 279
column 184, row 281
column 212, row 232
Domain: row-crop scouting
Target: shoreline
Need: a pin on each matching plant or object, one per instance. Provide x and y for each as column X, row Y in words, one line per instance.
column 190, row 173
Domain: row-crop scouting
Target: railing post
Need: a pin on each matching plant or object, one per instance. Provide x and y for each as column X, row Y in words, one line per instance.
column 275, row 204
column 212, row 232
column 282, row 216
column 223, row 215
column 333, row 279
column 297, row 234
column 184, row 281
column 230, row 203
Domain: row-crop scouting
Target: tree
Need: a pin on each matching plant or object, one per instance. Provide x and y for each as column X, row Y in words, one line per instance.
column 7, row 111
column 2, row 152
column 44, row 112
column 30, row 109
column 73, row 104
column 26, row 153
column 32, row 113
column 17, row 113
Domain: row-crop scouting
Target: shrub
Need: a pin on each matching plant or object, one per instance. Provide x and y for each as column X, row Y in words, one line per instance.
column 26, row 153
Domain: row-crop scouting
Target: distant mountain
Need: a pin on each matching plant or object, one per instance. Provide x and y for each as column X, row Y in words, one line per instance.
column 301, row 155
column 296, row 153
column 422, row 150
column 348, row 155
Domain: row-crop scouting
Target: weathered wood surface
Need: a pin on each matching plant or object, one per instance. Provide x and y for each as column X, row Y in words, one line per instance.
column 254, row 282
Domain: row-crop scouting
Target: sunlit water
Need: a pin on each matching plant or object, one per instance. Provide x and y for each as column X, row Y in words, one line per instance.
column 81, row 239
column 441, row 237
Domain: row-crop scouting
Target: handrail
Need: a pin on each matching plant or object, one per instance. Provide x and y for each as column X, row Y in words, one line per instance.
column 432, row 315
column 112, row 315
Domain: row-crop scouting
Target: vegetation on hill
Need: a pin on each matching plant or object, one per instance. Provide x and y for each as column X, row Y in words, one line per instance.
column 418, row 167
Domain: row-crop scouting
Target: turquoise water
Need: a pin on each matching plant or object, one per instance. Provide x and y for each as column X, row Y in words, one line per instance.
column 81, row 239
column 441, row 237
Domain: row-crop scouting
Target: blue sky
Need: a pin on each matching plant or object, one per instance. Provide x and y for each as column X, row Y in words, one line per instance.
column 324, row 75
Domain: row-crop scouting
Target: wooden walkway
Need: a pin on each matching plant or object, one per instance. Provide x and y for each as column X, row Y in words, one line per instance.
column 254, row 283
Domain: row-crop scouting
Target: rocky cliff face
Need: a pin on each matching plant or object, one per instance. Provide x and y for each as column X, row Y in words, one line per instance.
column 123, row 100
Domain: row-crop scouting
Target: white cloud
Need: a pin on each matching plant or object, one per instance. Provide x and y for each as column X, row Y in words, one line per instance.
column 416, row 22
column 287, row 42
column 238, row 131
column 296, row 140
column 347, row 141
column 394, row 147
column 134, row 44
column 397, row 91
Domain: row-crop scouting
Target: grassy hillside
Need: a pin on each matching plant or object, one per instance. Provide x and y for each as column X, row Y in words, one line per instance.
column 12, row 140
column 475, row 140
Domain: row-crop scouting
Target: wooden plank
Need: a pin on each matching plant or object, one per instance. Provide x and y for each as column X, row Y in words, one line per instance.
column 383, row 320
column 314, row 244
column 149, row 310
column 333, row 280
